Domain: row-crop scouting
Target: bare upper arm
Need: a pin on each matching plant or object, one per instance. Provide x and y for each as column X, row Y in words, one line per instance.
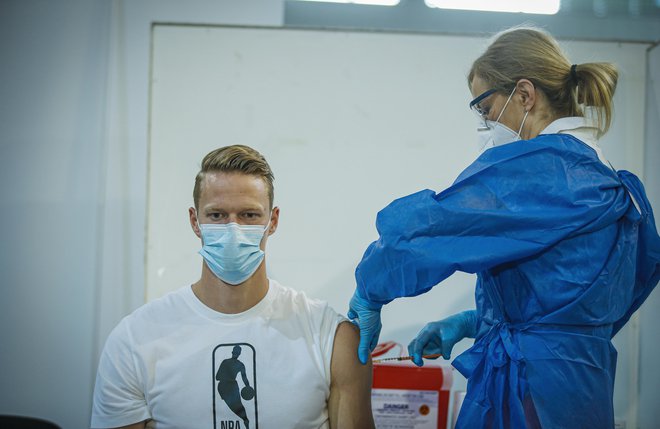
column 349, row 405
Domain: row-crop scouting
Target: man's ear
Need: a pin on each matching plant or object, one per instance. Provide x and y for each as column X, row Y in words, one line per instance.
column 274, row 220
column 194, row 222
column 527, row 93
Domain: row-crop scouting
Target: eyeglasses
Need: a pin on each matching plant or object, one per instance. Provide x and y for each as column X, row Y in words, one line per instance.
column 475, row 105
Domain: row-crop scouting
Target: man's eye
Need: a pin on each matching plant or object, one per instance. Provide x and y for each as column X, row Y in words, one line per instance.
column 215, row 215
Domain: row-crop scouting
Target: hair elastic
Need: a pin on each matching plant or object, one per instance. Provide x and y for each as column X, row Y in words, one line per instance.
column 574, row 76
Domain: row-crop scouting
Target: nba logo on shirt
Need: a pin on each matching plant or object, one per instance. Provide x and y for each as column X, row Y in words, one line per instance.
column 234, row 387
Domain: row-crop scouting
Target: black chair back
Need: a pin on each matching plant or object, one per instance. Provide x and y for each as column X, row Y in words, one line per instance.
column 22, row 422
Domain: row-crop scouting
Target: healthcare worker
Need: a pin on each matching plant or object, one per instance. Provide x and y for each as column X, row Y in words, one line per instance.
column 565, row 248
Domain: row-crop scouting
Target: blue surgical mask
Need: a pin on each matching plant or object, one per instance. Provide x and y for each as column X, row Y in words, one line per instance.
column 231, row 251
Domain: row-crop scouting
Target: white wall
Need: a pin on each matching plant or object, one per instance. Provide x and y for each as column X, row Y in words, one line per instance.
column 52, row 86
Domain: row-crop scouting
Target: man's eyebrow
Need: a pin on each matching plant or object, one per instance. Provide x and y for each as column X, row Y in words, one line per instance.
column 240, row 209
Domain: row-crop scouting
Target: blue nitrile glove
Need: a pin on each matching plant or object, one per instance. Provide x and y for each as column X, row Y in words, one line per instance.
column 441, row 336
column 366, row 316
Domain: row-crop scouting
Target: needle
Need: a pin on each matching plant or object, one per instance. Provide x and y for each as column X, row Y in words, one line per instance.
column 406, row 358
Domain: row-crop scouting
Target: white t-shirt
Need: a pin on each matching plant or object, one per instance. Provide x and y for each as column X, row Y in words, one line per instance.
column 183, row 365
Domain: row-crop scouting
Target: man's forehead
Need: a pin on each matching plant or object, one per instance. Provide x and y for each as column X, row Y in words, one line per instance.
column 236, row 187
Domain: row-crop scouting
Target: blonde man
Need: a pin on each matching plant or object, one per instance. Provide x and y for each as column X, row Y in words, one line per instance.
column 174, row 362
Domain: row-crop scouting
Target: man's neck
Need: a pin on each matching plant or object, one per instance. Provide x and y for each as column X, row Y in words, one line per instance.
column 231, row 299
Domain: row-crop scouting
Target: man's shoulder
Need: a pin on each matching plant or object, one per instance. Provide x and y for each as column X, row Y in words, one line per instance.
column 161, row 305
column 159, row 311
column 286, row 295
column 298, row 304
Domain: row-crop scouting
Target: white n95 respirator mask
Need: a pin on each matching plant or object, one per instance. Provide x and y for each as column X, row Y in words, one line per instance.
column 231, row 251
column 494, row 133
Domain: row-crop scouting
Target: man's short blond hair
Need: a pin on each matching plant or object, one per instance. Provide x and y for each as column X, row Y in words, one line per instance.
column 236, row 158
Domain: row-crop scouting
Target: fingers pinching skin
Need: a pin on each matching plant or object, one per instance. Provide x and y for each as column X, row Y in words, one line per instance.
column 366, row 315
column 374, row 341
column 363, row 348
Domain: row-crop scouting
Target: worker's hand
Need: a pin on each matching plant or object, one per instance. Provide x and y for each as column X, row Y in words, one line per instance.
column 441, row 336
column 366, row 316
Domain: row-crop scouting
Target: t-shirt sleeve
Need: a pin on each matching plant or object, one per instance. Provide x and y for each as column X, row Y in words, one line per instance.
column 118, row 393
column 329, row 322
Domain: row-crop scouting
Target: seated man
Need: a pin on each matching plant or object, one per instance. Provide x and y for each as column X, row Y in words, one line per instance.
column 235, row 349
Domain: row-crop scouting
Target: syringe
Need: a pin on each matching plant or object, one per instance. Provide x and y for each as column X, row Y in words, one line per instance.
column 433, row 356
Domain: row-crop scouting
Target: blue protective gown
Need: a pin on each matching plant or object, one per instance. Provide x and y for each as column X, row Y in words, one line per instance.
column 563, row 258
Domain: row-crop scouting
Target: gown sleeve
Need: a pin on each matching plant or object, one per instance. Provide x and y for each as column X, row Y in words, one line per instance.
column 647, row 272
column 511, row 203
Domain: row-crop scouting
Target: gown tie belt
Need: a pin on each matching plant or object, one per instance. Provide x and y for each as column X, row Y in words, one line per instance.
column 497, row 347
column 496, row 361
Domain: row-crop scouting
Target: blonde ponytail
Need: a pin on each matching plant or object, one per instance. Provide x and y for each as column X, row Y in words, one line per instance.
column 596, row 83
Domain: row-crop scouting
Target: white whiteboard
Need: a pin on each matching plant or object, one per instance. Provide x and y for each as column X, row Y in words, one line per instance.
column 348, row 121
